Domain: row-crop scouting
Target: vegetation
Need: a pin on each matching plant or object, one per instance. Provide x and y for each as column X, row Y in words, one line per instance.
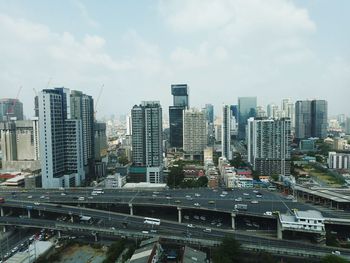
column 228, row 252
column 200, row 182
column 237, row 161
column 129, row 253
column 175, row 176
column 114, row 251
column 123, row 160
column 331, row 240
column 333, row 259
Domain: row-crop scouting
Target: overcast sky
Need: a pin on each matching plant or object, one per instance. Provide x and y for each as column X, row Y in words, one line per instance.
column 271, row 49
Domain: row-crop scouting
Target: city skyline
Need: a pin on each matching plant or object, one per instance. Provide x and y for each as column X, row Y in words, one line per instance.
column 222, row 54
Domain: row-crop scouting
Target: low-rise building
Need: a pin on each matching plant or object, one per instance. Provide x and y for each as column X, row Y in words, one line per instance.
column 338, row 160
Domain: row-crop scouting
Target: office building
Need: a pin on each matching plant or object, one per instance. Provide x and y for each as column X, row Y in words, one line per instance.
column 180, row 95
column 180, row 103
column 209, row 109
column 226, row 132
column 195, row 133
column 288, row 110
column 147, row 143
column 20, row 145
column 269, row 145
column 338, row 160
column 260, row 112
column 311, row 119
column 246, row 110
column 100, row 149
column 347, row 125
column 82, row 108
column 61, row 141
column 11, row 109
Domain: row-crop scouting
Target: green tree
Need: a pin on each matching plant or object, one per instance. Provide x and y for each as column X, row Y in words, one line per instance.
column 202, row 181
column 229, row 251
column 175, row 176
column 333, row 259
column 123, row 160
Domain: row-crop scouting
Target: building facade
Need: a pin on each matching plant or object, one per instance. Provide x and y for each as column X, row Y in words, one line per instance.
column 338, row 160
column 226, row 132
column 11, row 109
column 180, row 103
column 147, row 143
column 61, row 142
column 195, row 133
column 269, row 145
column 311, row 119
column 246, row 110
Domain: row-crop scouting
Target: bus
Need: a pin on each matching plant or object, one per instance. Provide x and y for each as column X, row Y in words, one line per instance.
column 151, row 221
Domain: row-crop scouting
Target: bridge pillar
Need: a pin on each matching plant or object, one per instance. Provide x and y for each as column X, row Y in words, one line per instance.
column 72, row 219
column 29, row 214
column 279, row 229
column 179, row 215
column 4, row 229
column 39, row 212
column 131, row 209
column 233, row 221
column 2, row 211
column 59, row 234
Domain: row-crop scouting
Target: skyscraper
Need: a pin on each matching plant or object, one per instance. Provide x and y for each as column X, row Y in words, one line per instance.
column 246, row 109
column 180, row 95
column 82, row 108
column 180, row 103
column 11, row 108
column 61, row 142
column 347, row 125
column 209, row 109
column 226, row 132
column 195, row 133
column 288, row 110
column 269, row 145
column 311, row 119
column 147, row 146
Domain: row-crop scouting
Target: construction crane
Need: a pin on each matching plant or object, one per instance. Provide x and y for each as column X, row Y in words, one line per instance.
column 11, row 108
column 97, row 100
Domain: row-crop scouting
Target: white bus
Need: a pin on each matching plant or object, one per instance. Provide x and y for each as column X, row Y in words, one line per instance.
column 151, row 221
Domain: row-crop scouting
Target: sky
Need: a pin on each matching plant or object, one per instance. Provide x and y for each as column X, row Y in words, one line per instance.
column 136, row 49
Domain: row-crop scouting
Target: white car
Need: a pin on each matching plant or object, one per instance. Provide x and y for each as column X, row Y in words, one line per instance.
column 254, row 202
column 222, row 195
column 246, row 194
column 255, row 191
column 36, row 203
column 190, row 226
column 196, row 204
column 63, row 194
column 336, row 252
column 196, row 194
column 30, row 196
column 239, row 199
column 268, row 213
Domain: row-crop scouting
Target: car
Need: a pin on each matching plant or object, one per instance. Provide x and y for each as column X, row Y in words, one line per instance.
column 177, row 201
column 211, row 202
column 207, row 230
column 63, row 194
column 219, row 224
column 268, row 213
column 203, row 218
column 238, row 199
column 196, row 194
column 190, row 225
column 259, row 196
column 154, row 231
column 145, row 232
column 196, row 217
column 336, row 252
column 30, row 197
column 36, row 203
column 255, row 191
column 222, row 195
column 254, row 202
column 196, row 204
column 168, row 197
column 42, row 197
column 154, row 195
column 246, row 194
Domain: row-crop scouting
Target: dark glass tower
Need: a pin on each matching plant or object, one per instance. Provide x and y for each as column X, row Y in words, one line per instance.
column 180, row 101
column 246, row 109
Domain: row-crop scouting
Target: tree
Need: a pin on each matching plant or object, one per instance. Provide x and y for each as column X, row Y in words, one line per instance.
column 333, row 259
column 123, row 160
column 175, row 176
column 229, row 251
column 202, row 181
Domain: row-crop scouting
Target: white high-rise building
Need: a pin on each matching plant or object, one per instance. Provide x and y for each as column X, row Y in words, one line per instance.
column 288, row 110
column 269, row 145
column 194, row 133
column 272, row 111
column 61, row 142
column 226, row 132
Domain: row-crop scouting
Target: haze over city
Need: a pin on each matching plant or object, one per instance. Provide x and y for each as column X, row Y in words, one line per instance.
column 222, row 49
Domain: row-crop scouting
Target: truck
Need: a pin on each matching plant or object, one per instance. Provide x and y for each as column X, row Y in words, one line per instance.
column 242, row 207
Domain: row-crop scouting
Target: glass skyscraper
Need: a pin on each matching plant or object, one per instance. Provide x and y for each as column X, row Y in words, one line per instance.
column 180, row 103
column 246, row 110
